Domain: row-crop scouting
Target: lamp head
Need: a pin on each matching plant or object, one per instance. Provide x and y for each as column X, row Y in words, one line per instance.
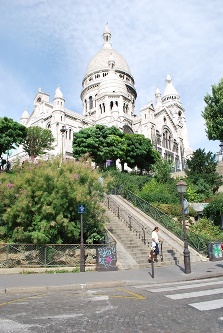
column 181, row 186
column 63, row 129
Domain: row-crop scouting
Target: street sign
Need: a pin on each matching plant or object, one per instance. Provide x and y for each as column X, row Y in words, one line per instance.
column 81, row 209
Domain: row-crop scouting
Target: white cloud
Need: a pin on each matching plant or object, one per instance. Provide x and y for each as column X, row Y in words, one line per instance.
column 51, row 42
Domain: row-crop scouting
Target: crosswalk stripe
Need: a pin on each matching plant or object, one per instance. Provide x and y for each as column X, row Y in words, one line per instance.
column 196, row 294
column 160, row 285
column 209, row 305
column 180, row 287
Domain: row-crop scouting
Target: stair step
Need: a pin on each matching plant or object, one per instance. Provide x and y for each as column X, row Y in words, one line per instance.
column 133, row 245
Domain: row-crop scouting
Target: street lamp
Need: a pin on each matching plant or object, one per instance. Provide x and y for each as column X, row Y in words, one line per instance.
column 181, row 188
column 62, row 130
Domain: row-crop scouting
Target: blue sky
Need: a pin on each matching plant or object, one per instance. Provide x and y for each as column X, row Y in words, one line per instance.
column 46, row 43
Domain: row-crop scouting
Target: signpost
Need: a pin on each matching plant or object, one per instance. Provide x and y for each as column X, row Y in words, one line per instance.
column 82, row 210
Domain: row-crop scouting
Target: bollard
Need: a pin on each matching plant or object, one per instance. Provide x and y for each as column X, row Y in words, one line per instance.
column 152, row 263
column 161, row 251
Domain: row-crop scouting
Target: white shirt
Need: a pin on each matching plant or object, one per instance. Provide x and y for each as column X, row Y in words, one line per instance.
column 155, row 237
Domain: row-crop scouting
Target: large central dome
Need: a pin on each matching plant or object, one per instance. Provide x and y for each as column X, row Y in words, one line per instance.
column 100, row 61
column 101, row 58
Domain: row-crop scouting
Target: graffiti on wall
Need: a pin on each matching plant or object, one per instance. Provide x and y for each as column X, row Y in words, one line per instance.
column 107, row 257
column 216, row 251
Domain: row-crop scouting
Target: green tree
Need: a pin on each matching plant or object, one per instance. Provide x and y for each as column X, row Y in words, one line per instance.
column 202, row 172
column 161, row 170
column 12, row 134
column 214, row 210
column 101, row 143
column 40, row 203
column 139, row 152
column 213, row 112
column 38, row 141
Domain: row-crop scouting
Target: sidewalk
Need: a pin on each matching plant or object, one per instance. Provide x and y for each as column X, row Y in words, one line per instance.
column 43, row 282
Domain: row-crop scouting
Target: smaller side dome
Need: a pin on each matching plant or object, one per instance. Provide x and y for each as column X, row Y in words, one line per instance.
column 170, row 92
column 58, row 93
column 25, row 115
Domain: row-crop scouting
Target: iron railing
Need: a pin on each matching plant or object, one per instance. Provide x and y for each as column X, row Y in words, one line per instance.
column 130, row 221
column 51, row 255
column 199, row 243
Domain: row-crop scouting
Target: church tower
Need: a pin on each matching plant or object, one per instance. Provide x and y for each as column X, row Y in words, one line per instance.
column 108, row 93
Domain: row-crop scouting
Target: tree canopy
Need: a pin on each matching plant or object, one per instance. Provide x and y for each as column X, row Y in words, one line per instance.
column 214, row 210
column 139, row 152
column 202, row 172
column 37, row 141
column 12, row 134
column 161, row 170
column 101, row 143
column 213, row 112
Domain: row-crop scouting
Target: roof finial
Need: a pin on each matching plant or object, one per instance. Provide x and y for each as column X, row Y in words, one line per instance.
column 107, row 37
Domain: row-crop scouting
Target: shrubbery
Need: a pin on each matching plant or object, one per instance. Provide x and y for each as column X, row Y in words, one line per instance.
column 39, row 204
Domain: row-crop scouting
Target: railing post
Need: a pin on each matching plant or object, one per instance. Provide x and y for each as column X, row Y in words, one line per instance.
column 7, row 255
column 144, row 236
column 118, row 212
column 130, row 222
column 45, row 255
column 108, row 202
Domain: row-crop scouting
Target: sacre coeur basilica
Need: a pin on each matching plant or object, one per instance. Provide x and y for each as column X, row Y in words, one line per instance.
column 108, row 98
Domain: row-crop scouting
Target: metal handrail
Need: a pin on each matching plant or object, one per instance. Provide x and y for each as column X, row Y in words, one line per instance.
column 131, row 222
column 197, row 242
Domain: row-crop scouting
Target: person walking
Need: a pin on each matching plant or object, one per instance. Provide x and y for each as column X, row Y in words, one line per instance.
column 155, row 244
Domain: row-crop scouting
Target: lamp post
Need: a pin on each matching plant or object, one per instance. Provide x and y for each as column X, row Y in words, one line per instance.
column 82, row 210
column 62, row 130
column 181, row 188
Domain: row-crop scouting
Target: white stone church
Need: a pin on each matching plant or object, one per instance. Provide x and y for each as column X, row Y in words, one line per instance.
column 108, row 98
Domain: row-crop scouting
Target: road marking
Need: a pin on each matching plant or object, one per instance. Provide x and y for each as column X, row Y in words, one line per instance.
column 196, row 294
column 209, row 305
column 133, row 295
column 99, row 298
column 20, row 299
column 130, row 295
column 160, row 285
column 180, row 287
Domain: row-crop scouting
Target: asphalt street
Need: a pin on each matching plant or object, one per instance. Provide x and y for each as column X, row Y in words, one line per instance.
column 166, row 307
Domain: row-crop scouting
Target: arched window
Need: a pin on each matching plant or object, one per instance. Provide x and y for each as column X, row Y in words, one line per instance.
column 90, row 102
column 167, row 138
column 70, row 134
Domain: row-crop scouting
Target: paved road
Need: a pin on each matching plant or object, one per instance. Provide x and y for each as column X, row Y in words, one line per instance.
column 168, row 307
column 12, row 283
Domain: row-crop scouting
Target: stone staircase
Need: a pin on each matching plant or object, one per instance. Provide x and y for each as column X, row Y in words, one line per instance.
column 132, row 248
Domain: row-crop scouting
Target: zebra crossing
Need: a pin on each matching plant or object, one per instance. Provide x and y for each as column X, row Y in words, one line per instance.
column 189, row 290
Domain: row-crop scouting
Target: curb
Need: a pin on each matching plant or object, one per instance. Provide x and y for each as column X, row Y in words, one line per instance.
column 81, row 286
column 97, row 285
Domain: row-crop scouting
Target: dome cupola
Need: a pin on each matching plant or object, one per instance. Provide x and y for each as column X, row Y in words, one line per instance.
column 170, row 93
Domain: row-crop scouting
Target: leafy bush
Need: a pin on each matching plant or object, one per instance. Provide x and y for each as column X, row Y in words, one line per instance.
column 214, row 210
column 206, row 229
column 155, row 192
column 131, row 182
column 40, row 204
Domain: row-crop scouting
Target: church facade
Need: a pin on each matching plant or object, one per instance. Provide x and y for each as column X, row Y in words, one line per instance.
column 108, row 98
